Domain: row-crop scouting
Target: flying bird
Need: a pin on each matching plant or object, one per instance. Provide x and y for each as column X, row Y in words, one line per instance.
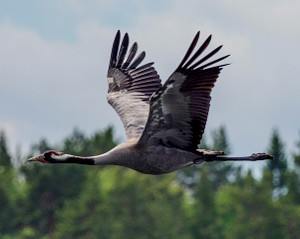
column 164, row 123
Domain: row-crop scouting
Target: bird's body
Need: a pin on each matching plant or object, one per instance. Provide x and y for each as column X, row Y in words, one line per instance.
column 148, row 159
column 163, row 123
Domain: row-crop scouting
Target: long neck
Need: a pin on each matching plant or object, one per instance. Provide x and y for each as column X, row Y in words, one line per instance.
column 120, row 155
column 102, row 159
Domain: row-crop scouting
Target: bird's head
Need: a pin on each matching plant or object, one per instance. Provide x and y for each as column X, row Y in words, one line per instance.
column 50, row 156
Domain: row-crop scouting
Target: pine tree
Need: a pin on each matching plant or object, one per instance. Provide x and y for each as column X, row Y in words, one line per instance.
column 209, row 178
column 293, row 177
column 204, row 220
column 50, row 186
column 220, row 140
column 188, row 177
column 296, row 155
column 5, row 159
column 245, row 210
column 278, row 165
column 7, row 190
column 220, row 171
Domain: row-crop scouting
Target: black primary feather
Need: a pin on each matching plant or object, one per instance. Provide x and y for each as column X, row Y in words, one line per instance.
column 179, row 110
column 131, row 55
column 114, row 50
column 190, row 50
column 198, row 52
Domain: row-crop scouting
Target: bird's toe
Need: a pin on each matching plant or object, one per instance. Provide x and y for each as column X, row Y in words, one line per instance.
column 261, row 156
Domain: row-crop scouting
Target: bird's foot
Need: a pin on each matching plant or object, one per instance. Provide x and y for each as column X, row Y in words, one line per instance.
column 260, row 156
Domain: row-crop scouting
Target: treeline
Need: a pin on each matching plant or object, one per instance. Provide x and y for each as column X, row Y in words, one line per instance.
column 217, row 200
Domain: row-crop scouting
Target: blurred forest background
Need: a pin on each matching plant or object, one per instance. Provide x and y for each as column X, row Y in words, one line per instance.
column 217, row 200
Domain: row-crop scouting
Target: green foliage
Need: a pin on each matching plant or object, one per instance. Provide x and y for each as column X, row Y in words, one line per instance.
column 212, row 201
column 8, row 189
column 278, row 166
column 204, row 211
column 220, row 140
column 297, row 154
column 116, row 203
column 249, row 206
column 277, row 149
column 219, row 172
column 5, row 159
column 293, row 178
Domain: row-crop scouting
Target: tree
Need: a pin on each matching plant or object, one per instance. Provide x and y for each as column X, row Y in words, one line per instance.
column 278, row 165
column 293, row 178
column 50, row 187
column 245, row 210
column 126, row 204
column 71, row 201
column 9, row 191
column 208, row 179
column 220, row 140
column 296, row 155
column 220, row 171
column 5, row 159
column 204, row 221
column 188, row 177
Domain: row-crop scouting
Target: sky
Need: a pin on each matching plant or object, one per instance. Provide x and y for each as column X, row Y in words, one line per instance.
column 54, row 57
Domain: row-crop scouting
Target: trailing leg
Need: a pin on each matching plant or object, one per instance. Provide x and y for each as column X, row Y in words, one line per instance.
column 252, row 157
column 207, row 155
column 207, row 152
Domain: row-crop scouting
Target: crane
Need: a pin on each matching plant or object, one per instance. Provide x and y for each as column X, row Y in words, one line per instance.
column 164, row 123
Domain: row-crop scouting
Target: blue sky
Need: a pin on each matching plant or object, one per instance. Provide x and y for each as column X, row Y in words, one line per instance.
column 54, row 56
column 59, row 19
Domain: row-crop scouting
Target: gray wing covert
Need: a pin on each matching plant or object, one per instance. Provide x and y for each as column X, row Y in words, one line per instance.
column 179, row 110
column 130, row 85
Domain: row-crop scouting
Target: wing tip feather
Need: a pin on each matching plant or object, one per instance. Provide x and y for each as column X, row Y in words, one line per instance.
column 189, row 50
column 115, row 49
column 188, row 62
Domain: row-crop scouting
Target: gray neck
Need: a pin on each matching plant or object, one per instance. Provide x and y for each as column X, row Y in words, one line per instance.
column 120, row 155
column 102, row 159
column 107, row 158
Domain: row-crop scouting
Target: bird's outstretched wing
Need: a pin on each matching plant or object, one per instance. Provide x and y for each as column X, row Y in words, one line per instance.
column 179, row 110
column 130, row 85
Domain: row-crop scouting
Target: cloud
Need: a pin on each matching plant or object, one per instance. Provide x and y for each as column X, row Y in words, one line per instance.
column 10, row 129
column 49, row 86
column 260, row 89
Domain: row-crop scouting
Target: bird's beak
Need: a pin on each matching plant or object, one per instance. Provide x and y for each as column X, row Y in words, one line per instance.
column 38, row 158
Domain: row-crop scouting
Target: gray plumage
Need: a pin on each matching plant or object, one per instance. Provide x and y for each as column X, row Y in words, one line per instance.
column 163, row 123
column 130, row 86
